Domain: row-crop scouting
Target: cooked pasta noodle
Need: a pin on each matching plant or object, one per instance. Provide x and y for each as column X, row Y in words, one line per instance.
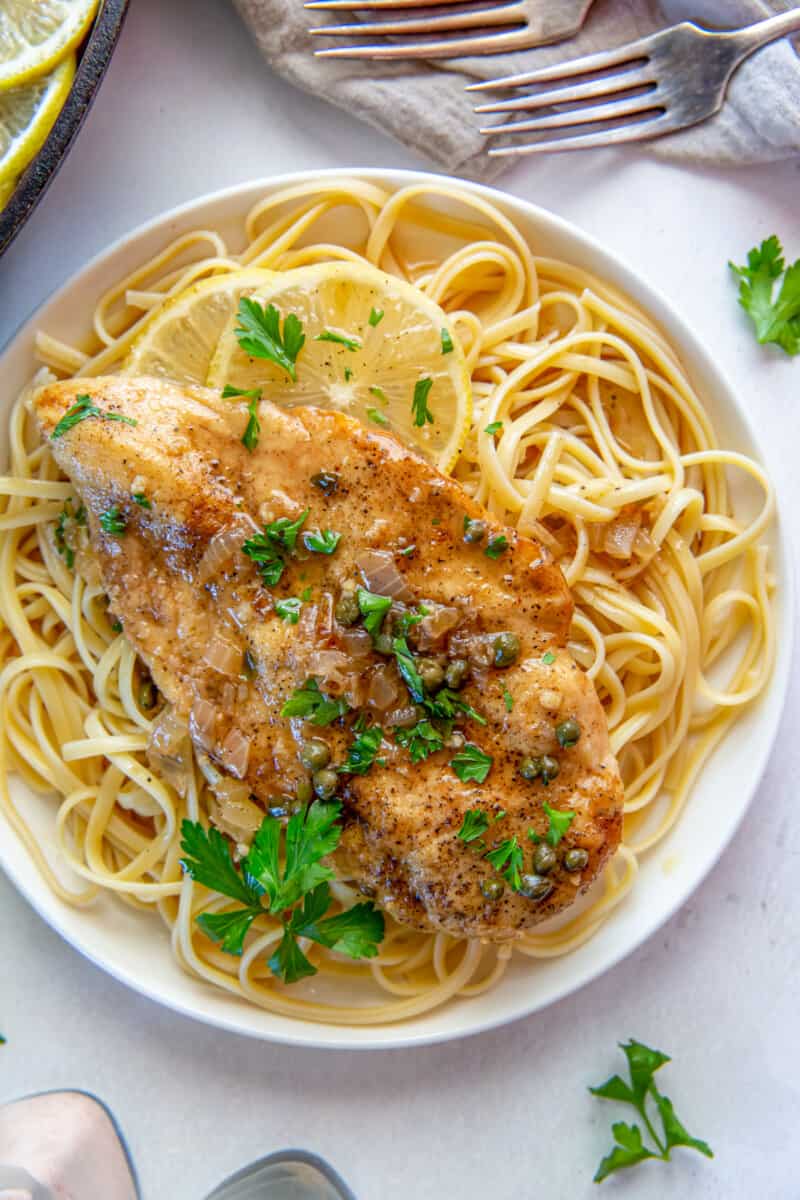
column 606, row 455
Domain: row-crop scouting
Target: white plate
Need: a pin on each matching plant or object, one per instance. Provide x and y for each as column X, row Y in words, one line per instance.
column 134, row 947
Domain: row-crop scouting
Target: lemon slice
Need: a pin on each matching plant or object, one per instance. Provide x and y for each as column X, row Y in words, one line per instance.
column 34, row 37
column 27, row 114
column 371, row 343
column 178, row 340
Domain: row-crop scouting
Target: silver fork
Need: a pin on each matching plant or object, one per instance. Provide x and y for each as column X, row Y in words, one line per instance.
column 673, row 79
column 450, row 29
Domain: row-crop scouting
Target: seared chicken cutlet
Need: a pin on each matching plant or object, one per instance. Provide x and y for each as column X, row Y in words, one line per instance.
column 327, row 611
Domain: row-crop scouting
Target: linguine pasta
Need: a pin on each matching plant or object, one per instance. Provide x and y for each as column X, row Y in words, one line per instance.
column 606, row 455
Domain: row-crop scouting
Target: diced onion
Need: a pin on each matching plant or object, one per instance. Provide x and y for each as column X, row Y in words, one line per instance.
column 223, row 656
column 402, row 718
column 621, row 534
column 220, row 549
column 357, row 642
column 169, row 749
column 383, row 689
column 202, row 720
column 330, row 667
column 234, row 753
column 382, row 576
column 440, row 621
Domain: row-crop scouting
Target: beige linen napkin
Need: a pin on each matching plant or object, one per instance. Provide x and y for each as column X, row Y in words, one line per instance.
column 425, row 105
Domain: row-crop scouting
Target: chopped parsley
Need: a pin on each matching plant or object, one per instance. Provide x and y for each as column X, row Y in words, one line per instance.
column 259, row 334
column 373, row 608
column 112, row 521
column 448, row 704
column 305, row 595
column 313, row 705
column 66, row 522
column 419, row 405
column 321, row 541
column 471, row 764
column 549, row 658
column 363, row 751
column 289, row 609
column 378, row 393
column 507, row 859
column 447, row 342
column 407, row 550
column 377, row 417
column 421, row 740
column 289, row 884
column 407, row 667
column 80, row 410
column 559, row 823
column 494, row 427
column 776, row 318
column 116, row 626
column 268, row 549
column 348, row 374
column 328, row 335
column 253, row 428
column 474, row 825
column 140, row 499
column 508, row 700
column 375, row 316
column 496, row 546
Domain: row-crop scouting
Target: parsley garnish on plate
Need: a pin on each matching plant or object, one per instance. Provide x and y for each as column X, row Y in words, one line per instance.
column 640, row 1091
column 268, row 550
column 776, row 318
column 112, row 521
column 508, row 700
column 289, row 609
column 362, row 751
column 373, row 609
column 560, row 822
column 496, row 546
column 328, row 335
column 419, row 405
column 548, row 658
column 80, row 410
column 508, row 860
column 375, row 316
column 264, row 886
column 259, row 334
column 377, row 417
column 471, row 764
column 447, row 342
column 313, row 705
column 141, row 499
column 379, row 393
column 474, row 825
column 253, row 429
column 494, row 427
column 321, row 541
column 421, row 740
column 66, row 522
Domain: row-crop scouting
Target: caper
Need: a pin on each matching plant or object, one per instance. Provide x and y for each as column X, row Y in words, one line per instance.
column 544, row 859
column 530, row 768
column 567, row 733
column 314, row 754
column 304, row 791
column 506, row 649
column 347, row 611
column 549, row 769
column 383, row 643
column 534, row 887
column 325, row 783
column 474, row 530
column 492, row 889
column 147, row 695
column 431, row 673
column 409, row 717
column 455, row 673
column 576, row 859
column 326, row 481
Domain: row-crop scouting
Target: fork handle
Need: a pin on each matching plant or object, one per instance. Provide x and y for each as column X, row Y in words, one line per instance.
column 753, row 36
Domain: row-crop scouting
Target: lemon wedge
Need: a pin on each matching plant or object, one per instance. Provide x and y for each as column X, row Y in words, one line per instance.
column 35, row 37
column 375, row 347
column 27, row 114
column 179, row 340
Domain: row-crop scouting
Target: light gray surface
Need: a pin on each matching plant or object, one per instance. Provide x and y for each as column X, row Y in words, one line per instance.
column 188, row 107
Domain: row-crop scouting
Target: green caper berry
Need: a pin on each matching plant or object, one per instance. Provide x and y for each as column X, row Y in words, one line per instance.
column 315, row 754
column 326, row 481
column 325, row 783
column 492, row 889
column 530, row 768
column 549, row 769
column 544, row 859
column 304, row 791
column 383, row 643
column 534, row 887
column 147, row 694
column 347, row 611
column 455, row 673
column 576, row 859
column 474, row 530
column 431, row 673
column 506, row 649
column 567, row 733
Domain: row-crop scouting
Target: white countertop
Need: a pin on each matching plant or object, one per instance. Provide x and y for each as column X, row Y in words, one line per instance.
column 188, row 107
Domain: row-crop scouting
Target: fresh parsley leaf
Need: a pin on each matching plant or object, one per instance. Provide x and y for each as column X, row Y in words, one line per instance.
column 259, row 334
column 348, row 374
column 288, row 962
column 321, row 541
column 447, row 342
column 233, row 393
column 112, row 521
column 407, row 620
column 283, row 532
column 66, row 522
column 508, row 700
column 447, row 705
column 549, row 658
column 373, row 608
column 377, row 417
column 207, row 859
column 289, row 609
column 559, row 823
column 629, row 1147
column 375, row 316
column 408, row 669
column 356, row 932
column 311, row 834
column 508, row 860
column 267, row 549
column 494, row 427
column 140, row 499
column 471, row 764
column 305, row 595
column 776, row 318
column 407, row 550
column 379, row 393
column 252, row 431
column 474, row 825
column 496, row 546
column 229, row 928
column 421, row 740
column 80, row 410
column 419, row 405
column 116, row 626
column 328, row 335
column 313, row 705
column 363, row 751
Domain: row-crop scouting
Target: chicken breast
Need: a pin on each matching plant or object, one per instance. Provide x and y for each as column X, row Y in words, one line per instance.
column 176, row 510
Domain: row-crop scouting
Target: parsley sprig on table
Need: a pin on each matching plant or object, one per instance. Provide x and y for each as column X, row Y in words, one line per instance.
column 285, row 878
column 260, row 335
column 629, row 1147
column 776, row 318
